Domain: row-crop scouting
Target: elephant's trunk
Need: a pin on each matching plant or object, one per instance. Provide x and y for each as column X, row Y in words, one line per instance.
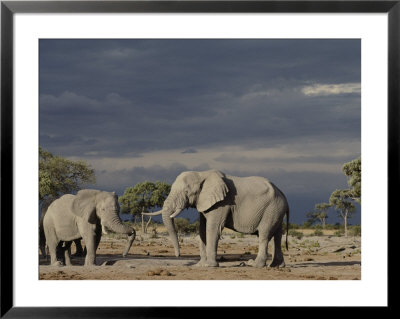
column 115, row 224
column 170, row 225
column 173, row 205
column 131, row 238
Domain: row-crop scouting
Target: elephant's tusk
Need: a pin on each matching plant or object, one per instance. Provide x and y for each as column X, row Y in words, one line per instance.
column 175, row 214
column 104, row 229
column 153, row 214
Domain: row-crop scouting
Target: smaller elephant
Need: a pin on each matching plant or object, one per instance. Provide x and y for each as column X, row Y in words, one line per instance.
column 84, row 215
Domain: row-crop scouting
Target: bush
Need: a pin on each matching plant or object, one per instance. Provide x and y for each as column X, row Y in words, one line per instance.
column 307, row 224
column 291, row 226
column 318, row 232
column 335, row 226
column 355, row 230
column 295, row 233
column 193, row 228
column 183, row 225
column 339, row 233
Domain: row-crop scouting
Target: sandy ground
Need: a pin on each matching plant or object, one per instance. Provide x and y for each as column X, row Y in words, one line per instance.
column 310, row 258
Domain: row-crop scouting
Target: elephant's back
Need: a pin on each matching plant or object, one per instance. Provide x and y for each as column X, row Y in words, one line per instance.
column 60, row 218
column 255, row 197
column 61, row 205
column 253, row 186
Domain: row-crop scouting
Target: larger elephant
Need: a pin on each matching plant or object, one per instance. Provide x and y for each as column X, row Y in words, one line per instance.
column 84, row 215
column 251, row 205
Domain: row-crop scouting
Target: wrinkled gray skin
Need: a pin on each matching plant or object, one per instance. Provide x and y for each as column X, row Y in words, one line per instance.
column 42, row 238
column 84, row 215
column 250, row 205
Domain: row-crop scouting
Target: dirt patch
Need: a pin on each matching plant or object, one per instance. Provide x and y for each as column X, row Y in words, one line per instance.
column 311, row 258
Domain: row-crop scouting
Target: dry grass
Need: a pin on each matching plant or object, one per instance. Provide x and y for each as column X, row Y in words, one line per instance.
column 162, row 230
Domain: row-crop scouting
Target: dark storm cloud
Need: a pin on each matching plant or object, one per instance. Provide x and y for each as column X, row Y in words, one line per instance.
column 125, row 98
column 139, row 95
column 119, row 180
column 228, row 158
column 134, row 68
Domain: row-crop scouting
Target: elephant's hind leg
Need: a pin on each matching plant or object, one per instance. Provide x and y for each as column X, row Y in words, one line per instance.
column 260, row 261
column 78, row 248
column 67, row 253
column 52, row 243
column 60, row 251
column 278, row 260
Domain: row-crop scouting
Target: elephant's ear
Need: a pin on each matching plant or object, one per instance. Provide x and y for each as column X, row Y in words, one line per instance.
column 84, row 205
column 213, row 191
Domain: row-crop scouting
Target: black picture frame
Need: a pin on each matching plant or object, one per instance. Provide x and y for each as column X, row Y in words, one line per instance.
column 9, row 8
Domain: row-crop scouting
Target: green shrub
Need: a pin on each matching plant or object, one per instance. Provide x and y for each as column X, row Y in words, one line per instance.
column 333, row 226
column 193, row 228
column 183, row 225
column 355, row 230
column 338, row 226
column 292, row 226
column 339, row 233
column 307, row 224
column 316, row 244
column 295, row 233
column 318, row 232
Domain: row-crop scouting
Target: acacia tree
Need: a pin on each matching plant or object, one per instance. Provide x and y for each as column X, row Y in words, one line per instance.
column 353, row 172
column 144, row 197
column 58, row 176
column 342, row 201
column 320, row 213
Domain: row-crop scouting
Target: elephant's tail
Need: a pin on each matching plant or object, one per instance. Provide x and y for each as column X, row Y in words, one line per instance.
column 287, row 228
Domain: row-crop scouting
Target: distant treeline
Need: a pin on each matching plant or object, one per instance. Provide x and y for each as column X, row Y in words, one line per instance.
column 309, row 225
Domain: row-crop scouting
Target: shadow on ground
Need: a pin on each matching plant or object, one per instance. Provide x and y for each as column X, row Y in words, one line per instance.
column 188, row 260
column 326, row 264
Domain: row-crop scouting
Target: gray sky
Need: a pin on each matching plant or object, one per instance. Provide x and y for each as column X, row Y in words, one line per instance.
column 137, row 110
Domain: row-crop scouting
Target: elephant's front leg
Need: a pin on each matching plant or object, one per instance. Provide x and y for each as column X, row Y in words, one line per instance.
column 90, row 241
column 213, row 230
column 202, row 241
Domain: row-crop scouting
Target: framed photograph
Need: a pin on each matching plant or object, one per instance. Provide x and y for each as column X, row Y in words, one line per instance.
column 196, row 154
